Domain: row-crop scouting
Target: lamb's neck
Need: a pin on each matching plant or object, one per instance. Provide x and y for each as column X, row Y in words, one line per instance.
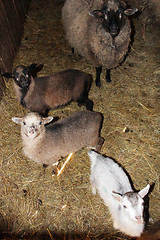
column 26, row 93
column 22, row 93
column 31, row 144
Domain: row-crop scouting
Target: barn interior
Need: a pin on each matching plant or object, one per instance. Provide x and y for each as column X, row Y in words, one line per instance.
column 33, row 203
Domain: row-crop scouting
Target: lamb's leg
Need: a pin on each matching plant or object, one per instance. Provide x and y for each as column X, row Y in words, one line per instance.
column 143, row 30
column 72, row 49
column 99, row 144
column 98, row 74
column 108, row 77
column 55, row 169
column 63, row 166
column 89, row 104
column 83, row 100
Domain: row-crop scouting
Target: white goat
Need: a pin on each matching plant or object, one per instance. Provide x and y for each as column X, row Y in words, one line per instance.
column 114, row 187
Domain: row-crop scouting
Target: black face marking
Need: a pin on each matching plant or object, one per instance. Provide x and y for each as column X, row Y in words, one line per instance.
column 22, row 76
column 112, row 21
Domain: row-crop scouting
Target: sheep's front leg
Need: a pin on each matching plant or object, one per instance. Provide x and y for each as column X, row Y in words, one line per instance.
column 108, row 76
column 98, row 74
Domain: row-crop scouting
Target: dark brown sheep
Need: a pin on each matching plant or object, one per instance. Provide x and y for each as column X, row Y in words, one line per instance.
column 99, row 31
column 149, row 12
column 41, row 94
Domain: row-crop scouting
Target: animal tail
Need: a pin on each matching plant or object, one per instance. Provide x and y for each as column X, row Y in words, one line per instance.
column 93, row 157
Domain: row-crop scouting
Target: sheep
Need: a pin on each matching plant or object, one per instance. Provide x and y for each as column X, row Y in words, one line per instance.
column 149, row 13
column 41, row 94
column 47, row 144
column 113, row 184
column 102, row 36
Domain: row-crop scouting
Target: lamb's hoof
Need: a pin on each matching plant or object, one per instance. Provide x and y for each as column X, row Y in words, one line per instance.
column 100, row 143
column 108, row 80
column 45, row 165
column 55, row 170
column 98, row 84
column 89, row 105
column 54, row 173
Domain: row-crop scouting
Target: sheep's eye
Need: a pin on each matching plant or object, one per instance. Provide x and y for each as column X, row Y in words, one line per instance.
column 24, row 123
column 124, row 206
column 40, row 123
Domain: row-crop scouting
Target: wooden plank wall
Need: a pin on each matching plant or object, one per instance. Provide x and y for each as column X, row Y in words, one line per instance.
column 12, row 17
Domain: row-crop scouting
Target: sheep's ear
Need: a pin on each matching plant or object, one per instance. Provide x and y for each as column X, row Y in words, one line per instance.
column 96, row 13
column 47, row 120
column 144, row 191
column 117, row 196
column 17, row 120
column 32, row 67
column 130, row 11
column 8, row 75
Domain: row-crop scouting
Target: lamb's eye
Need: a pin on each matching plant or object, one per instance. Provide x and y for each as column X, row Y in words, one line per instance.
column 40, row 123
column 124, row 206
column 24, row 123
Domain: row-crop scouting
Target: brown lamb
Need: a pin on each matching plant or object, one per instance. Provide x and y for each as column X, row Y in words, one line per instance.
column 47, row 144
column 40, row 94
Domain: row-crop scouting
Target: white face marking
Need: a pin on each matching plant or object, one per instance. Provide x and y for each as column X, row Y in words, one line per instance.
column 32, row 125
column 106, row 17
column 134, row 209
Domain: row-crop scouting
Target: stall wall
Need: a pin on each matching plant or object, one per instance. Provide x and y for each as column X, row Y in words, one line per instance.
column 12, row 17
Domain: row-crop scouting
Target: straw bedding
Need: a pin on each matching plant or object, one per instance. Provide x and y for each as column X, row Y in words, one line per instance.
column 32, row 201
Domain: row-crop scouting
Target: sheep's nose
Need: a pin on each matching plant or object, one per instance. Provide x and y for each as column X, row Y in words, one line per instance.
column 138, row 217
column 24, row 83
column 114, row 30
column 113, row 27
column 32, row 128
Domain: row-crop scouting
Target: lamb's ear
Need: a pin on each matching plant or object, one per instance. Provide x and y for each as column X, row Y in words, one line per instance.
column 130, row 11
column 96, row 13
column 117, row 196
column 8, row 75
column 144, row 191
column 32, row 67
column 47, row 120
column 17, row 120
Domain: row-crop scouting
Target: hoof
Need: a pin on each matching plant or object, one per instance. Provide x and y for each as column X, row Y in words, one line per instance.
column 98, row 84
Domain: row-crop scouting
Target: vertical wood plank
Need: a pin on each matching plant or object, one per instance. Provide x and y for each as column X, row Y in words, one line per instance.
column 12, row 17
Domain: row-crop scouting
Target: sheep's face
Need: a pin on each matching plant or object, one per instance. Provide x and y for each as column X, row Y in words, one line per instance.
column 113, row 15
column 22, row 76
column 32, row 125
